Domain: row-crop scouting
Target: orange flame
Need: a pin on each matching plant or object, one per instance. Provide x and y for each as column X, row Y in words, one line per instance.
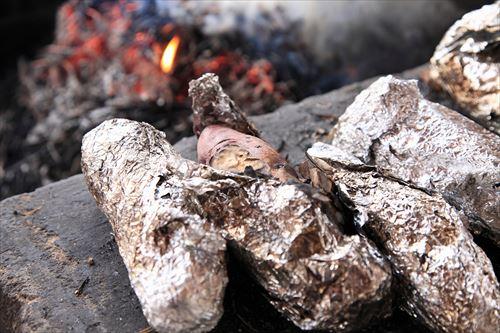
column 168, row 57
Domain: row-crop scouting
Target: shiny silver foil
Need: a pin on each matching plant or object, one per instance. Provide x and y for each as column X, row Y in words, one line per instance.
column 313, row 273
column 288, row 235
column 212, row 106
column 166, row 210
column 427, row 145
column 466, row 64
column 445, row 279
column 174, row 256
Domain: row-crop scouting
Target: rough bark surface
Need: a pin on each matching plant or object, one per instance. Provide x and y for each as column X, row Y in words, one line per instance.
column 446, row 280
column 44, row 247
column 392, row 126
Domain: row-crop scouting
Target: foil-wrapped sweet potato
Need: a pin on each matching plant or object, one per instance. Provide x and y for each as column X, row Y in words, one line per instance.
column 390, row 125
column 445, row 280
column 167, row 214
column 466, row 64
column 175, row 256
column 289, row 235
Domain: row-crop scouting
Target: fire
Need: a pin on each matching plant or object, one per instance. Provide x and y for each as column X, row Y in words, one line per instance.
column 168, row 57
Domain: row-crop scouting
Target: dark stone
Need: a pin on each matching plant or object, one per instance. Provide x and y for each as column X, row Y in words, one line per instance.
column 47, row 237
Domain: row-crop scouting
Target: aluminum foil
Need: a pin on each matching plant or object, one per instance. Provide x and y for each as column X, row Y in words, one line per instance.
column 212, row 106
column 314, row 274
column 288, row 235
column 174, row 256
column 445, row 279
column 166, row 210
column 466, row 64
column 427, row 145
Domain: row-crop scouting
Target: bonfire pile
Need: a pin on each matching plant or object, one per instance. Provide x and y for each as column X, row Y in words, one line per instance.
column 117, row 55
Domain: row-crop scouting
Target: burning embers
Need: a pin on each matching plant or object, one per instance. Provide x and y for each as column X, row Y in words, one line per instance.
column 168, row 57
column 106, row 61
column 122, row 55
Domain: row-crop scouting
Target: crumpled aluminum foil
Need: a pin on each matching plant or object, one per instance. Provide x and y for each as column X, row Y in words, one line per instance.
column 286, row 233
column 466, row 64
column 313, row 273
column 445, row 279
column 212, row 106
column 427, row 145
column 316, row 275
column 175, row 257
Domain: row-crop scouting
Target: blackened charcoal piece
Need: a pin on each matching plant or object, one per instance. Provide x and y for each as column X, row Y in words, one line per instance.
column 212, row 106
column 466, row 64
column 446, row 280
column 392, row 126
column 174, row 256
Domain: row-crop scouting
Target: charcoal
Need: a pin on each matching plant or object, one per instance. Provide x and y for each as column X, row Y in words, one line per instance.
column 313, row 273
column 434, row 148
column 466, row 64
column 445, row 280
column 175, row 257
column 106, row 54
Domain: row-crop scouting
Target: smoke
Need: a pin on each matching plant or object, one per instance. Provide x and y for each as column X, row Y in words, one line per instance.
column 369, row 35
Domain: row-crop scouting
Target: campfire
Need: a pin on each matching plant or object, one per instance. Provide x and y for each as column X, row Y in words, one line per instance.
column 168, row 57
column 290, row 236
column 128, row 55
column 373, row 207
column 134, row 59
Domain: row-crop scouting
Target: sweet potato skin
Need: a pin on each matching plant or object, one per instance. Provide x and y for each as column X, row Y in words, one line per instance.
column 223, row 147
